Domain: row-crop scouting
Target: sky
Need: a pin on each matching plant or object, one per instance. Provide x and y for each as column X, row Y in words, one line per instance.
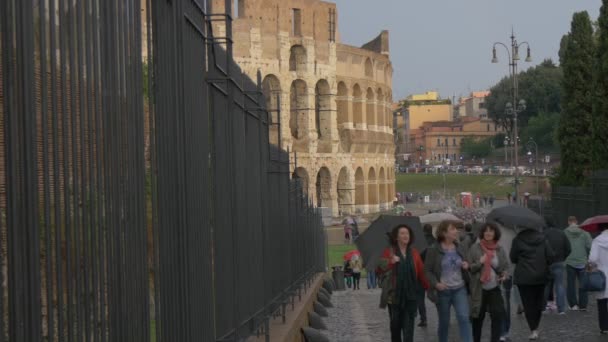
column 446, row 45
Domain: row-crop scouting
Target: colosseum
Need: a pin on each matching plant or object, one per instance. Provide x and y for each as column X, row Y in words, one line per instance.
column 332, row 101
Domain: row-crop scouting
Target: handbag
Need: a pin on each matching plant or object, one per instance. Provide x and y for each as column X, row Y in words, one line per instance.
column 593, row 280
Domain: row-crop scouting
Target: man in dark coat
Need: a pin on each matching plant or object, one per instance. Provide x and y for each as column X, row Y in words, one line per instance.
column 561, row 248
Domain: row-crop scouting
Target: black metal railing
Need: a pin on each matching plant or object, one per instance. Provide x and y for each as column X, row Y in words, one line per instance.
column 140, row 196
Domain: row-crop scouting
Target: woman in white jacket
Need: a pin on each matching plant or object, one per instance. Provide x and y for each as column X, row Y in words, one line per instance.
column 599, row 257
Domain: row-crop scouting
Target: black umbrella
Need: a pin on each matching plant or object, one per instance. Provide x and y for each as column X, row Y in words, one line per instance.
column 516, row 217
column 375, row 240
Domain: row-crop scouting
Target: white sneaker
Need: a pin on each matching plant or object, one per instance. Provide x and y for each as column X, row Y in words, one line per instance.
column 503, row 339
column 574, row 308
column 562, row 313
column 534, row 335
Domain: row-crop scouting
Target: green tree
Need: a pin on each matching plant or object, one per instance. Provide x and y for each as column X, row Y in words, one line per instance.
column 543, row 129
column 600, row 99
column 471, row 147
column 540, row 86
column 574, row 133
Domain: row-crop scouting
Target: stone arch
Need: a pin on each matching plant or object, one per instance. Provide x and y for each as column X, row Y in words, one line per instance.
column 298, row 120
column 342, row 104
column 271, row 88
column 324, row 188
column 370, row 113
column 382, row 191
column 322, row 109
column 302, row 174
column 346, row 191
column 357, row 104
column 372, row 188
column 381, row 110
column 369, row 68
column 297, row 58
column 360, row 200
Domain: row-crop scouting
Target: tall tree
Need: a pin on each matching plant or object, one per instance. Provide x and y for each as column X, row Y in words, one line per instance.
column 575, row 132
column 600, row 99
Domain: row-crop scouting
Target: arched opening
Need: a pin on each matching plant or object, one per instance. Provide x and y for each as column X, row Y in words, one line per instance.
column 370, row 115
column 357, row 105
column 322, row 109
column 382, row 188
column 345, row 192
column 271, row 88
column 369, row 68
column 297, row 58
column 381, row 110
column 372, row 187
column 359, row 188
column 298, row 107
column 342, row 103
column 324, row 188
column 302, row 175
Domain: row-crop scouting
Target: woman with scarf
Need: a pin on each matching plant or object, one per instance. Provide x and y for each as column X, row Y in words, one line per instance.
column 488, row 265
column 403, row 273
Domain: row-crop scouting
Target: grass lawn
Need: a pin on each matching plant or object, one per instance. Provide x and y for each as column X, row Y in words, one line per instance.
column 456, row 183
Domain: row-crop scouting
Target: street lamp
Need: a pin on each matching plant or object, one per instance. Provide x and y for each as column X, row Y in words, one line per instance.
column 531, row 143
column 521, row 105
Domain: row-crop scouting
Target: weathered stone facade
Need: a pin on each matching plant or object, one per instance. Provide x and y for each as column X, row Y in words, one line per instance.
column 333, row 101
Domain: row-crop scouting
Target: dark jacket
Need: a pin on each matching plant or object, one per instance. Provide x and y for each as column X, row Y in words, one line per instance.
column 388, row 275
column 432, row 267
column 532, row 256
column 559, row 243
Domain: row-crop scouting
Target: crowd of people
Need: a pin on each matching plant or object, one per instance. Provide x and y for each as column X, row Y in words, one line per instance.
column 477, row 274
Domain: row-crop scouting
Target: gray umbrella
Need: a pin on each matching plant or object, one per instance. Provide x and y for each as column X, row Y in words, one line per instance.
column 375, row 240
column 516, row 217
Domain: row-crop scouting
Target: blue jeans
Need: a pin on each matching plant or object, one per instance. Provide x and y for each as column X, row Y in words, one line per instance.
column 371, row 280
column 575, row 274
column 506, row 287
column 459, row 299
column 557, row 272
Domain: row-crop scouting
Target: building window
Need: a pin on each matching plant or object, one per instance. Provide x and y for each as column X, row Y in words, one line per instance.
column 332, row 24
column 296, row 22
column 482, row 105
column 454, row 142
column 438, row 142
column 495, row 127
column 446, row 142
column 488, row 127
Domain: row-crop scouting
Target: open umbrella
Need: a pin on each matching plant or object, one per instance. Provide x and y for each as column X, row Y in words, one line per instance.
column 349, row 255
column 438, row 217
column 592, row 224
column 374, row 240
column 514, row 216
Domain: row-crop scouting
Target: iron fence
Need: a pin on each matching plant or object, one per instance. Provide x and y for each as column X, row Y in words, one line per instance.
column 140, row 196
column 582, row 202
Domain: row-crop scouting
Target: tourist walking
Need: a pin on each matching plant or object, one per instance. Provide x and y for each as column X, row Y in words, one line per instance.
column 348, row 273
column 488, row 266
column 580, row 243
column 599, row 258
column 403, row 271
column 348, row 223
column 555, row 287
column 430, row 240
column 446, row 269
column 532, row 257
column 356, row 266
column 491, row 200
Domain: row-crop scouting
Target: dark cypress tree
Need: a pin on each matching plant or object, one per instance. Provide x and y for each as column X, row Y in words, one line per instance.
column 575, row 129
column 600, row 99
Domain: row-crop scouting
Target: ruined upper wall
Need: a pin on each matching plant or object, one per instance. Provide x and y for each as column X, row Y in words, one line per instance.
column 378, row 44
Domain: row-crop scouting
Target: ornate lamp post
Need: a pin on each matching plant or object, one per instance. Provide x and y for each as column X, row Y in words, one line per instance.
column 521, row 105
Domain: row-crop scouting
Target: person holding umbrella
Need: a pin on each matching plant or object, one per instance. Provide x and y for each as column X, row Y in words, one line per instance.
column 446, row 269
column 598, row 257
column 532, row 255
column 403, row 271
column 488, row 264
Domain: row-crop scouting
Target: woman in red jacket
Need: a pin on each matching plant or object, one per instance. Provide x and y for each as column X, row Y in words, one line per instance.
column 404, row 269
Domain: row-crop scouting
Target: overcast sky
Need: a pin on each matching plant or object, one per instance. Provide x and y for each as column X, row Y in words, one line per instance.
column 446, row 45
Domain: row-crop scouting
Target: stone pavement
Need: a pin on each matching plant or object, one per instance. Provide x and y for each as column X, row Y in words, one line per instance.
column 357, row 318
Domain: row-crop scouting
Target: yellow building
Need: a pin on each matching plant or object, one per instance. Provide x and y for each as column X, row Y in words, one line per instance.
column 428, row 96
column 427, row 107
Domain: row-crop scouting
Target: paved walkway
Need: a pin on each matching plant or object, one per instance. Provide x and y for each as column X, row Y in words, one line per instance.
column 357, row 318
